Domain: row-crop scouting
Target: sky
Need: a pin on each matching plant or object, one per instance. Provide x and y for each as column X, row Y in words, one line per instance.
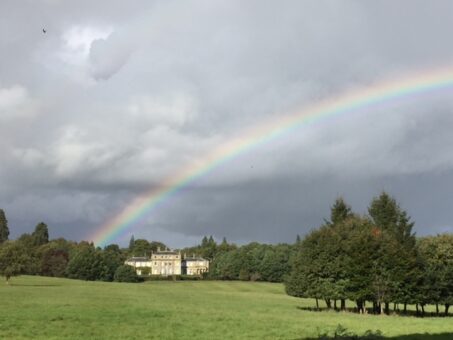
column 116, row 96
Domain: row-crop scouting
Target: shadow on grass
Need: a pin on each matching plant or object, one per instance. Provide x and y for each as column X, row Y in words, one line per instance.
column 440, row 336
column 34, row 285
column 370, row 312
column 343, row 333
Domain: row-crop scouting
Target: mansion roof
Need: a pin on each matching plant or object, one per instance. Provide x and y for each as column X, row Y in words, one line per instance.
column 165, row 252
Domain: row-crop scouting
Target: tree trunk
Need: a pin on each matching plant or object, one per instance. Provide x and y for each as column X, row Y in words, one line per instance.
column 328, row 303
column 437, row 308
column 387, row 308
column 405, row 308
column 317, row 304
column 343, row 304
column 359, row 306
column 447, row 306
column 423, row 309
column 377, row 307
column 335, row 304
column 416, row 308
column 395, row 307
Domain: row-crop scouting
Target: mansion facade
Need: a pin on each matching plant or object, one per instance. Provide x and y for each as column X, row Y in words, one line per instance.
column 168, row 262
column 194, row 265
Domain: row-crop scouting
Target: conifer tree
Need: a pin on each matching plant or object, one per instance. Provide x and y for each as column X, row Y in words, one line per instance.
column 132, row 243
column 4, row 231
column 384, row 211
column 41, row 234
column 403, row 269
column 340, row 211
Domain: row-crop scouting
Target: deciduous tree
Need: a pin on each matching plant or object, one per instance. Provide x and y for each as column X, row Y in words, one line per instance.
column 13, row 259
column 125, row 273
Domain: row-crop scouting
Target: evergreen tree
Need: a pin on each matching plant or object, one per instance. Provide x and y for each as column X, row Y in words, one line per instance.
column 339, row 211
column 384, row 211
column 4, row 231
column 403, row 270
column 224, row 246
column 132, row 243
column 305, row 277
column 41, row 234
column 208, row 248
column 360, row 245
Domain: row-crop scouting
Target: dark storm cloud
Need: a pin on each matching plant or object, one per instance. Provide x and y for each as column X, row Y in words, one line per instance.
column 116, row 96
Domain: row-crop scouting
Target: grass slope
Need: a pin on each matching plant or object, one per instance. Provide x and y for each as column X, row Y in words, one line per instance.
column 50, row 308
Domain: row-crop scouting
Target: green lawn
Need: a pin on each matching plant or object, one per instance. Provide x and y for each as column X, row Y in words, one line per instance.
column 48, row 308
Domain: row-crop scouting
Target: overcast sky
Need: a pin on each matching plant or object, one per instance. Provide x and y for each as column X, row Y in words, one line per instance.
column 118, row 95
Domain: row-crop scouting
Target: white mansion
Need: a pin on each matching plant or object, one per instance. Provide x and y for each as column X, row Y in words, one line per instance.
column 168, row 262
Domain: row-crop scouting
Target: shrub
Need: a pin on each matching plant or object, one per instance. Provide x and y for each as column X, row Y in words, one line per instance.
column 244, row 275
column 126, row 273
column 173, row 278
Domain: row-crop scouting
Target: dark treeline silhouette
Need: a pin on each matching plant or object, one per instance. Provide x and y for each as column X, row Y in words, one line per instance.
column 374, row 260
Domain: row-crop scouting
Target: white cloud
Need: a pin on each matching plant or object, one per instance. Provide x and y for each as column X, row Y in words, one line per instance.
column 77, row 42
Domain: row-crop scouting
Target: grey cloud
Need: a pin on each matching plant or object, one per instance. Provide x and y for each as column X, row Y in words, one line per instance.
column 117, row 96
column 106, row 60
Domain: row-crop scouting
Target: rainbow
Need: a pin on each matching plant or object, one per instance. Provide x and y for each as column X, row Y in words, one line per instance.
column 264, row 133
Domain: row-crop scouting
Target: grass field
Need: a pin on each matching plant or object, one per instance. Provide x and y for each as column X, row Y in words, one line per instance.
column 49, row 308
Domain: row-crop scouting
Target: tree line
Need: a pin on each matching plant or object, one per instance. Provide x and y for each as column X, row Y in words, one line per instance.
column 249, row 262
column 35, row 254
column 373, row 259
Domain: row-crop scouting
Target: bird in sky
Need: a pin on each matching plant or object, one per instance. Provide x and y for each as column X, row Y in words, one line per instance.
column 44, row 31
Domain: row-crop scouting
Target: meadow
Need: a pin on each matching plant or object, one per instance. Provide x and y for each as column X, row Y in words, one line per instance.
column 50, row 308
